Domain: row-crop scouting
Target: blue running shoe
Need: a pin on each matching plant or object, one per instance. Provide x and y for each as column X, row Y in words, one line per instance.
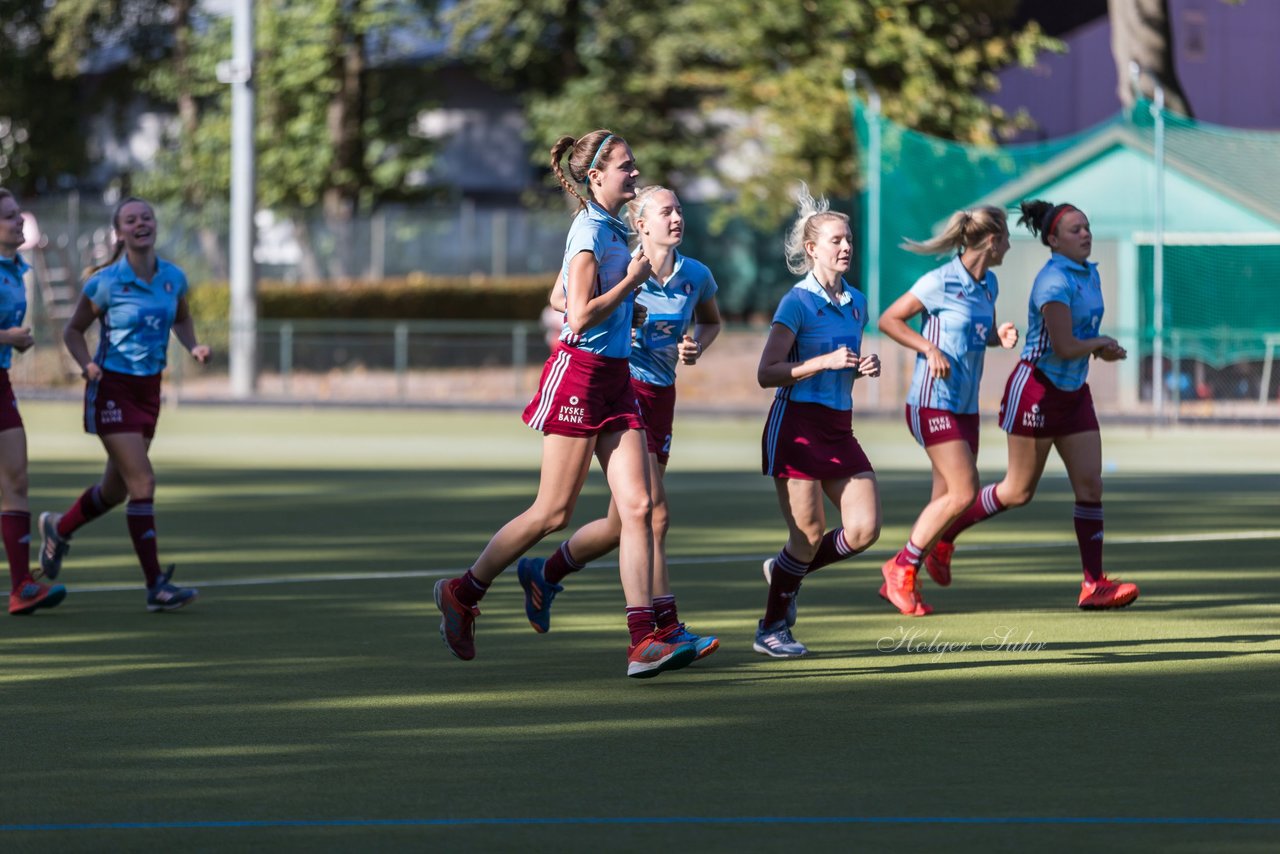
column 703, row 644
column 791, row 606
column 538, row 594
column 54, row 548
column 164, row 595
column 775, row 640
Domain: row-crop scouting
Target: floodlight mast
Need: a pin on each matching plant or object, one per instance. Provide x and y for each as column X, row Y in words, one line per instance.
column 1157, row 250
column 244, row 309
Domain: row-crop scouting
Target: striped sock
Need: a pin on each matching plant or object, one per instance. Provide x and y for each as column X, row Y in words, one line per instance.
column 987, row 505
column 141, row 516
column 1088, row 519
column 911, row 555
column 15, row 525
column 560, row 564
column 89, row 506
column 788, row 572
column 640, row 622
column 833, row 547
column 469, row 589
column 664, row 611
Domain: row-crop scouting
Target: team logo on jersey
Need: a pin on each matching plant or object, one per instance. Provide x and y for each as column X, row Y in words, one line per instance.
column 573, row 413
column 688, row 288
column 168, row 287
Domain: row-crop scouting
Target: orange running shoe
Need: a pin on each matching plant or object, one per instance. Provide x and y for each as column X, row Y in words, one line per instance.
column 31, row 595
column 652, row 656
column 938, row 562
column 899, row 588
column 457, row 621
column 1105, row 593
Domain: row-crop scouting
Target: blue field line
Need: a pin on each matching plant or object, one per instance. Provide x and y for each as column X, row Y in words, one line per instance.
column 643, row 821
column 676, row 560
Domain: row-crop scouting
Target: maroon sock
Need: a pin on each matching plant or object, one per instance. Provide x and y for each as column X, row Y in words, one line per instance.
column 1088, row 518
column 832, row 548
column 664, row 611
column 469, row 589
column 87, row 507
column 141, row 516
column 984, row 507
column 560, row 564
column 787, row 575
column 15, row 525
column 640, row 622
column 911, row 555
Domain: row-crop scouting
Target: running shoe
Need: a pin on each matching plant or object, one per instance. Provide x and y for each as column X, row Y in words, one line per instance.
column 938, row 562
column 1105, row 593
column 704, row 645
column 458, row 621
column 653, row 656
column 791, row 606
column 55, row 546
column 32, row 595
column 775, row 640
column 164, row 595
column 538, row 593
column 900, row 587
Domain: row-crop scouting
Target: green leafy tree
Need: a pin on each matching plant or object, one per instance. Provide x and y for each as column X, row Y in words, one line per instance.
column 747, row 93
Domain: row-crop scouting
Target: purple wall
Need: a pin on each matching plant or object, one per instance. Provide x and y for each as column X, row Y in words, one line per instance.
column 1225, row 56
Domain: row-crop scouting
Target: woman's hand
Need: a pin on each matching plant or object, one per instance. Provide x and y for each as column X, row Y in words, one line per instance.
column 869, row 366
column 19, row 338
column 92, row 372
column 201, row 353
column 939, row 364
column 1008, row 335
column 840, row 359
column 689, row 350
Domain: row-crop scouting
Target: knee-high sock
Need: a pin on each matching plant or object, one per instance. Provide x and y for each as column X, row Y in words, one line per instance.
column 833, row 547
column 89, row 506
column 984, row 507
column 788, row 572
column 15, row 525
column 560, row 564
column 1088, row 519
column 141, row 516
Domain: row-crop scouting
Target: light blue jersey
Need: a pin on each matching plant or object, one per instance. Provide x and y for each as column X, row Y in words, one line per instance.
column 13, row 300
column 671, row 309
column 136, row 316
column 821, row 326
column 594, row 230
column 960, row 314
column 1079, row 288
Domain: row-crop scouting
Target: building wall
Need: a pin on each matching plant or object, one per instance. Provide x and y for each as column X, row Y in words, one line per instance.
column 1224, row 55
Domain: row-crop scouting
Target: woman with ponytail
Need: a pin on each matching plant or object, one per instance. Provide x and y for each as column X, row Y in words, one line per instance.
column 681, row 319
column 1047, row 403
column 585, row 406
column 812, row 357
column 958, row 301
column 137, row 299
column 26, row 593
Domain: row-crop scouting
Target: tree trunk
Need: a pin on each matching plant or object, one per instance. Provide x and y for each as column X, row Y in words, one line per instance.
column 1141, row 32
column 341, row 200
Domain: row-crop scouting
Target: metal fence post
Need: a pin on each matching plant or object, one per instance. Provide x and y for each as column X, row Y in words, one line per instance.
column 402, row 360
column 1175, row 362
column 286, row 356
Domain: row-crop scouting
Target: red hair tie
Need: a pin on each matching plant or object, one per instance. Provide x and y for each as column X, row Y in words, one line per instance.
column 1053, row 223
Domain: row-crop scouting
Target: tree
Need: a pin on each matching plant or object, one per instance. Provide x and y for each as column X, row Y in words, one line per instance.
column 746, row 91
column 1140, row 32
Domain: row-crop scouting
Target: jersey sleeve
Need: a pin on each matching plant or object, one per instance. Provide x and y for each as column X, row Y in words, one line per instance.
column 790, row 313
column 1050, row 286
column 709, row 286
column 930, row 290
column 96, row 291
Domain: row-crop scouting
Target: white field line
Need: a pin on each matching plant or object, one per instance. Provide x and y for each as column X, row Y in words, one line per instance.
column 1205, row 537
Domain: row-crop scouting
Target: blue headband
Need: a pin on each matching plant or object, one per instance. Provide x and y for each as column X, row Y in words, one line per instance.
column 603, row 143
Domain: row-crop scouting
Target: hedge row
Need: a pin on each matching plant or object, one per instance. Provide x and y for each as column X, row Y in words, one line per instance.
column 412, row 298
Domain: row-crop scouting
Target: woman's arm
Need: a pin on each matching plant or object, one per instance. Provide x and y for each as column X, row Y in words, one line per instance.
column 775, row 371
column 584, row 311
column 184, row 329
column 893, row 322
column 1057, row 322
column 73, row 337
column 706, row 327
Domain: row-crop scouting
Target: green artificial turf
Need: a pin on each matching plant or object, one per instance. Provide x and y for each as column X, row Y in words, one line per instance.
column 305, row 702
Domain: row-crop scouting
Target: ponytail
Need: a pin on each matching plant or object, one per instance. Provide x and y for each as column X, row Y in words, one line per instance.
column 587, row 153
column 964, row 230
